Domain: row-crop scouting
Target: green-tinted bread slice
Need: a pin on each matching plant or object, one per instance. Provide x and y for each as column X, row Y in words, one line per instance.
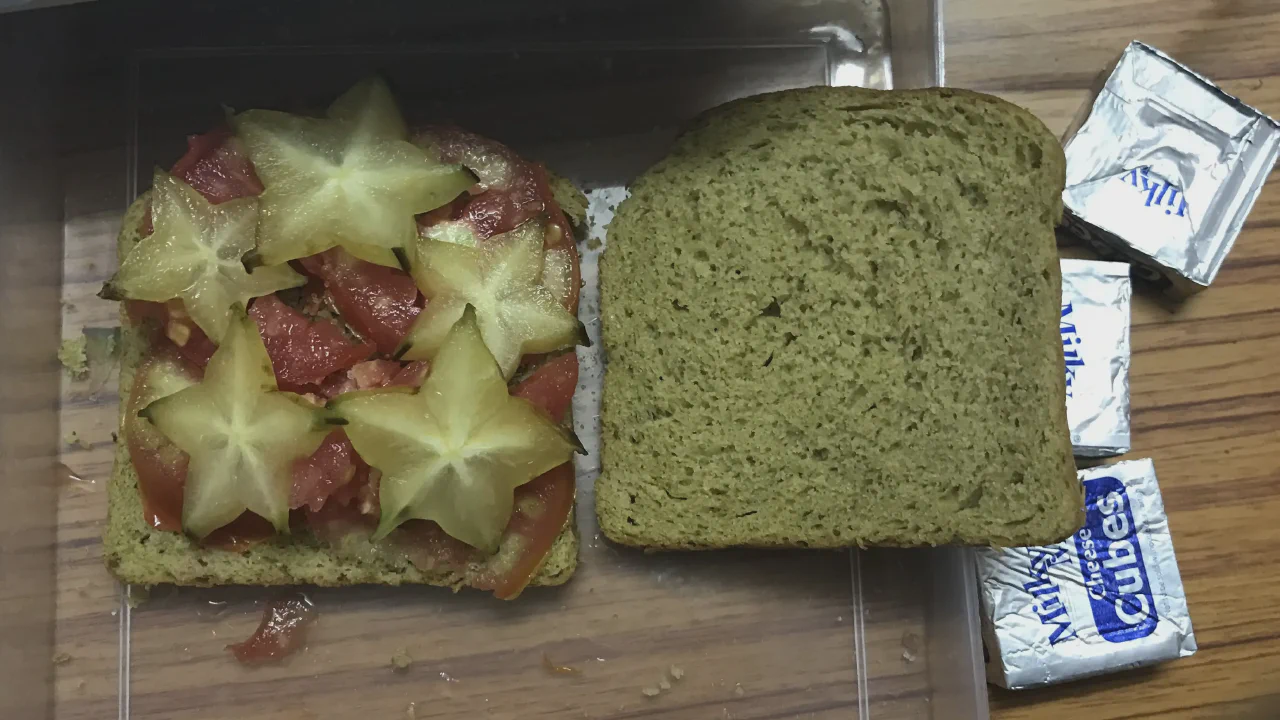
column 830, row 317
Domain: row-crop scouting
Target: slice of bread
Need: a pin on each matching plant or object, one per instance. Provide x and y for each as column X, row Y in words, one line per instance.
column 830, row 318
column 137, row 553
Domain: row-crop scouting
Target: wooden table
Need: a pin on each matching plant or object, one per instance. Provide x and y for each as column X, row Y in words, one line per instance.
column 1206, row 375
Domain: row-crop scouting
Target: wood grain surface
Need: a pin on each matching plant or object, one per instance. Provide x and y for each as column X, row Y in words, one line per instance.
column 1206, row 376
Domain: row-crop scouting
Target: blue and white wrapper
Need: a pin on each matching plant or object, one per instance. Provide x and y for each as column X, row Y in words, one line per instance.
column 1107, row 599
column 1163, row 167
column 1095, row 347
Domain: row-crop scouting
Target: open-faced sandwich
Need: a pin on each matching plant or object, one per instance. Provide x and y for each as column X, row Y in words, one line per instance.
column 348, row 359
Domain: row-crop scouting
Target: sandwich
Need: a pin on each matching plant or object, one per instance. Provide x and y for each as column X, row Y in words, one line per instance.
column 830, row 319
column 348, row 357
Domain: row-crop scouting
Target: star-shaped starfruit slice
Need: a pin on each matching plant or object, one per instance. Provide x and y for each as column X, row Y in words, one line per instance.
column 502, row 278
column 193, row 253
column 351, row 179
column 455, row 450
column 242, row 433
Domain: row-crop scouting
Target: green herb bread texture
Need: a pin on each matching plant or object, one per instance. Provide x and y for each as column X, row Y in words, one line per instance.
column 830, row 318
column 137, row 553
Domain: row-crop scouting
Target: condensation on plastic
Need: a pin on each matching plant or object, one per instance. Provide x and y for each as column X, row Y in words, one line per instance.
column 872, row 634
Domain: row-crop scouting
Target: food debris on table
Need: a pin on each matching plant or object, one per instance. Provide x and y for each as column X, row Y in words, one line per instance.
column 401, row 661
column 73, row 439
column 677, row 672
column 555, row 669
column 650, row 691
column 73, row 355
column 282, row 632
column 61, row 659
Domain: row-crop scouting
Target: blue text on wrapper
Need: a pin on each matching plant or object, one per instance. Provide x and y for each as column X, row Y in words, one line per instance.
column 1070, row 345
column 1047, row 604
column 1110, row 558
column 1160, row 193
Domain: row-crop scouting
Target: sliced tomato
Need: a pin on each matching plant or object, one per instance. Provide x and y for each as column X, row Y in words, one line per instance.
column 303, row 351
column 378, row 302
column 281, row 632
column 551, row 385
column 218, row 167
column 318, row 476
column 541, row 511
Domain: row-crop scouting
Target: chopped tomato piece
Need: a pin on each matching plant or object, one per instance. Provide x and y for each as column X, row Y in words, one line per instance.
column 303, row 351
column 378, row 302
column 173, row 327
column 411, row 375
column 218, row 167
column 330, row 467
column 542, row 508
column 551, row 385
column 283, row 631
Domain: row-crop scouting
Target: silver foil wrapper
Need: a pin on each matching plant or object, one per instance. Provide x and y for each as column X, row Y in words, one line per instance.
column 1095, row 348
column 1163, row 167
column 1107, row 599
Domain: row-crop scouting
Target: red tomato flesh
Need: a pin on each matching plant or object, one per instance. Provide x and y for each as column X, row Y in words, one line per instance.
column 282, row 631
column 303, row 351
column 330, row 467
column 378, row 302
column 217, row 166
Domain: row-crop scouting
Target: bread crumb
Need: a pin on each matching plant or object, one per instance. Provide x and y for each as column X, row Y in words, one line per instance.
column 664, row 684
column 401, row 661
column 74, row 440
column 650, row 691
column 61, row 659
column 737, row 690
column 677, row 672
column 73, row 355
column 910, row 646
column 555, row 669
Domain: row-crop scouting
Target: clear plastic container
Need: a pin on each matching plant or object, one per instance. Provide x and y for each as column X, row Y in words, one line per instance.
column 595, row 93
